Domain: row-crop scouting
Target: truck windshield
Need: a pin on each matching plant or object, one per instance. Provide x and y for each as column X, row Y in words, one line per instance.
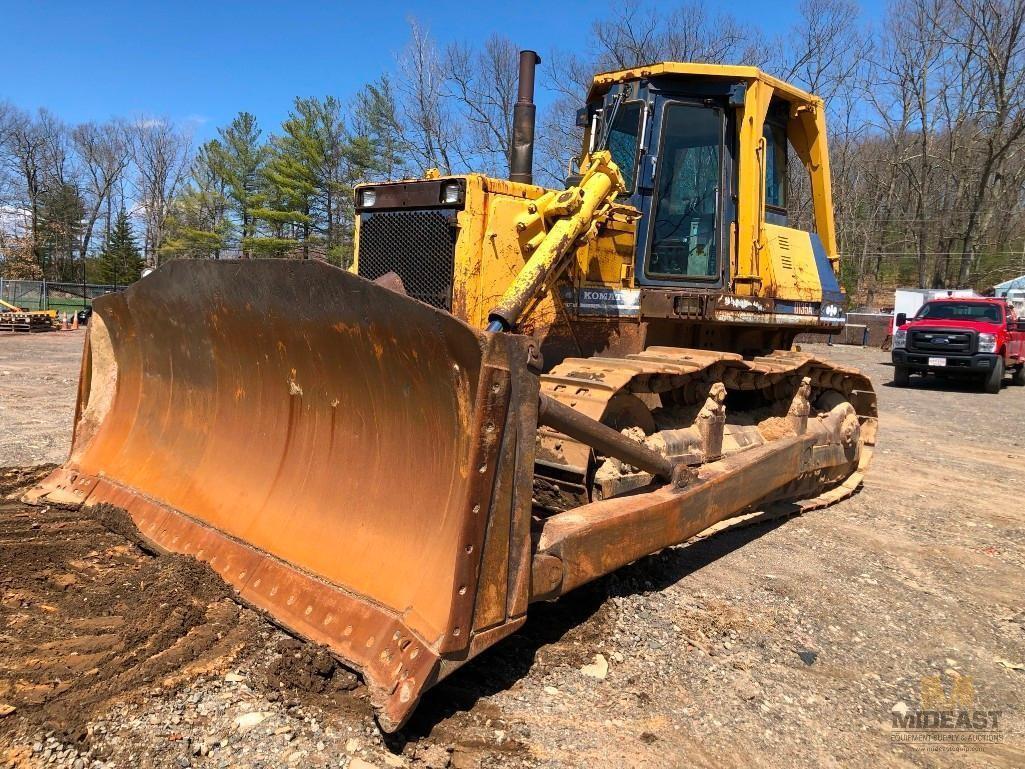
column 986, row 313
column 683, row 242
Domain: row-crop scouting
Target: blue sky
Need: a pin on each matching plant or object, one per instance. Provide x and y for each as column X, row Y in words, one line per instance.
column 203, row 62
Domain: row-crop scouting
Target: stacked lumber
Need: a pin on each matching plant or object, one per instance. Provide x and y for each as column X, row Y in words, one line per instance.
column 24, row 320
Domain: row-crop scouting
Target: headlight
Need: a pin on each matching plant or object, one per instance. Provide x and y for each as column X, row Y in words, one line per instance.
column 367, row 198
column 987, row 342
column 450, row 192
column 900, row 338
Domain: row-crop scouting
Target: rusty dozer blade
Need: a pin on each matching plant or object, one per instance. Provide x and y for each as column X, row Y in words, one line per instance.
column 355, row 463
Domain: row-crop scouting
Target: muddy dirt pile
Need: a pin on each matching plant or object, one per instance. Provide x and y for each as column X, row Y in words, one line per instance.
column 113, row 654
column 90, row 617
column 309, row 669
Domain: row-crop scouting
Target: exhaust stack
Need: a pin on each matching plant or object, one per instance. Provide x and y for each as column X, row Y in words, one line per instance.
column 521, row 153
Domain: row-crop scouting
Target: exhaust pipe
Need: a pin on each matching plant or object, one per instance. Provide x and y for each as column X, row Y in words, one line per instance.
column 521, row 153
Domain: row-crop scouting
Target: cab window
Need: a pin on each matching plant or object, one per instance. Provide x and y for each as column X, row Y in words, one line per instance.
column 623, row 140
column 684, row 225
column 775, row 165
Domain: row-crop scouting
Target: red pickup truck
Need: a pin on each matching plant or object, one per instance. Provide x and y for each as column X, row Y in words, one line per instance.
column 970, row 336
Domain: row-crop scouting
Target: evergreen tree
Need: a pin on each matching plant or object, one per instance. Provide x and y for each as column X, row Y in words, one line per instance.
column 120, row 261
column 377, row 124
column 237, row 159
column 293, row 180
column 197, row 223
column 291, row 195
column 196, row 227
column 59, row 231
column 307, row 190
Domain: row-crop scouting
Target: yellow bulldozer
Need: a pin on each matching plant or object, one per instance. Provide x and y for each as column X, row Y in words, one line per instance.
column 514, row 391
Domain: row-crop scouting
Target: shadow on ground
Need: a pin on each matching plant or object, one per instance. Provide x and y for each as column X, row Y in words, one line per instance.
column 511, row 659
column 963, row 384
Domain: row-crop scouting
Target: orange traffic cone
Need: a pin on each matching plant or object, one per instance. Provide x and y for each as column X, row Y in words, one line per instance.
column 74, row 323
column 64, row 321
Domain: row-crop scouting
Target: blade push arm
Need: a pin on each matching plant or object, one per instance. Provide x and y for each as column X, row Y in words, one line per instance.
column 569, row 215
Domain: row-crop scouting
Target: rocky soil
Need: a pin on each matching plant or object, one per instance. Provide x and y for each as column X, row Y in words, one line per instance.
column 784, row 643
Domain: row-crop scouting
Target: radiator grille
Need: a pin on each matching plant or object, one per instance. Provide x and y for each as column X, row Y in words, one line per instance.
column 941, row 341
column 419, row 246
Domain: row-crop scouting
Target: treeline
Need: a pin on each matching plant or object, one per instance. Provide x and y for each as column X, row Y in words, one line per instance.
column 927, row 155
column 68, row 194
column 926, row 110
column 287, row 194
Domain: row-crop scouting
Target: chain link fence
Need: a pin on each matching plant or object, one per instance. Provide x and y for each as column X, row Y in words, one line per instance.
column 44, row 294
column 52, row 295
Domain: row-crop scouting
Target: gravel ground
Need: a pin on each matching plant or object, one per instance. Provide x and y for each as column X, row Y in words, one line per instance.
column 785, row 643
column 38, row 383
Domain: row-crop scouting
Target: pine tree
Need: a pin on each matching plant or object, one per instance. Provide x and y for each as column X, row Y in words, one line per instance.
column 59, row 230
column 197, row 223
column 237, row 159
column 291, row 195
column 376, row 120
column 196, row 227
column 292, row 182
column 306, row 190
column 120, row 261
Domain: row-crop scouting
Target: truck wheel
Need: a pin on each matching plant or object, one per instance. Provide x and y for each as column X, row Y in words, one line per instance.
column 996, row 377
column 1018, row 378
column 901, row 378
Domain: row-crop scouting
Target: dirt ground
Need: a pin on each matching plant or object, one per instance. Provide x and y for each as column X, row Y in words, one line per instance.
column 38, row 382
column 786, row 643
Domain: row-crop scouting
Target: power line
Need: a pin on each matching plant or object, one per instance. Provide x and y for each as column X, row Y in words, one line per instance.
column 915, row 254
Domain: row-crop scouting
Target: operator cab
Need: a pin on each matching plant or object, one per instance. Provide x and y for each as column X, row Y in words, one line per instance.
column 674, row 130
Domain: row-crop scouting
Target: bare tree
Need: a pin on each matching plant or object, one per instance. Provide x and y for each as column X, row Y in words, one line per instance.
column 911, row 74
column 24, row 158
column 824, row 49
column 161, row 154
column 990, row 37
column 432, row 130
column 635, row 33
column 104, row 152
column 61, row 211
column 640, row 33
column 8, row 116
column 825, row 53
column 482, row 86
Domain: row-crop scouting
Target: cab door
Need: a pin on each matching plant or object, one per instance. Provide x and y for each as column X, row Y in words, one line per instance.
column 682, row 241
column 1016, row 338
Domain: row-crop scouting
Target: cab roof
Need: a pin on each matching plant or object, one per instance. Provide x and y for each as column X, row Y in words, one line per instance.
column 603, row 81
